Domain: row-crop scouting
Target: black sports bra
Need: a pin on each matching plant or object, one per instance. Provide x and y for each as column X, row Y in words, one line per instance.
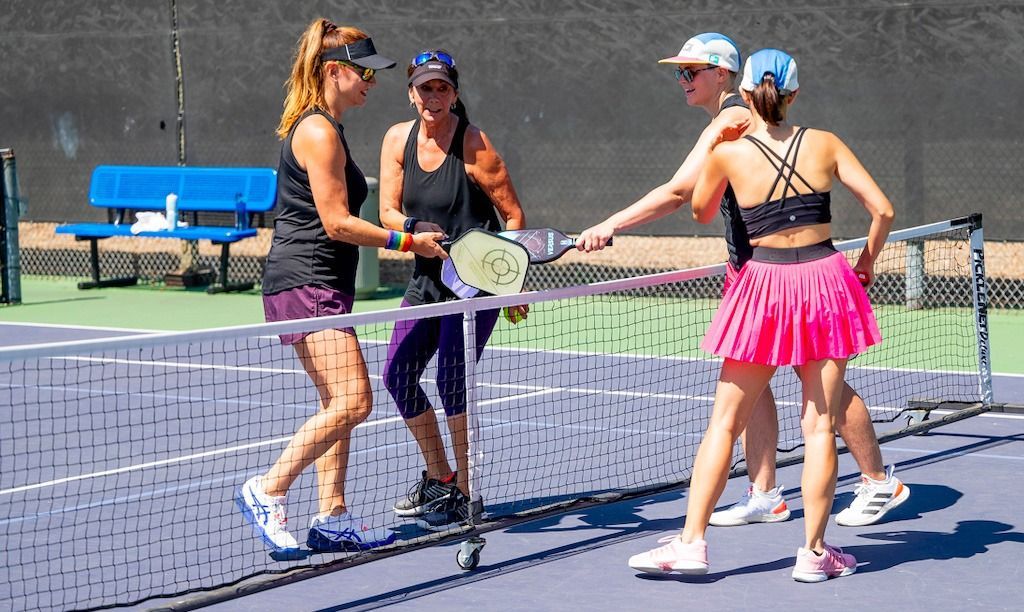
column 796, row 210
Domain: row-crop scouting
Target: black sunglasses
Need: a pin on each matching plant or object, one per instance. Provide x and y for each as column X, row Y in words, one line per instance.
column 688, row 74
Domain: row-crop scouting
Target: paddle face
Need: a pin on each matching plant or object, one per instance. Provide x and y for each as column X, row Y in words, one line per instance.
column 544, row 244
column 487, row 262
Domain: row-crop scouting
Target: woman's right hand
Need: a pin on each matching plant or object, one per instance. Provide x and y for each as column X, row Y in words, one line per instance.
column 865, row 271
column 595, row 238
column 731, row 130
column 425, row 244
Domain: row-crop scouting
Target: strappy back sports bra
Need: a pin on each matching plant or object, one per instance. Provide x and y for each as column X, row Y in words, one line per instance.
column 797, row 210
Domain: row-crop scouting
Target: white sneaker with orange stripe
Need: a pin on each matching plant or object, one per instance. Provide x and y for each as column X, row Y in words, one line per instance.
column 756, row 506
column 874, row 499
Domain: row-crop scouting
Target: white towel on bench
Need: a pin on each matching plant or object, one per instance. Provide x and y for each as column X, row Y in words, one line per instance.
column 152, row 222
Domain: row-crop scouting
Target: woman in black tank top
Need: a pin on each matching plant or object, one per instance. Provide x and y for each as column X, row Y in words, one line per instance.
column 310, row 272
column 439, row 173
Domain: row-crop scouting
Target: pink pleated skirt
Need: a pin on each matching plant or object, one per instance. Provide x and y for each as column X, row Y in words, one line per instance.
column 791, row 313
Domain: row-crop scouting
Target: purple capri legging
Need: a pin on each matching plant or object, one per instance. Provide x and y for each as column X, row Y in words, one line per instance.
column 412, row 345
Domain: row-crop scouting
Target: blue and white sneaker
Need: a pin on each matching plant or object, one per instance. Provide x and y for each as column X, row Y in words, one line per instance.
column 345, row 533
column 266, row 514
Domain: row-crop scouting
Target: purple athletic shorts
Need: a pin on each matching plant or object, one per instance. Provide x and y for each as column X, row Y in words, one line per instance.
column 306, row 302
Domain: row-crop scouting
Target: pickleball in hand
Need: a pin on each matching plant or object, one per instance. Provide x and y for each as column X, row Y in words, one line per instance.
column 514, row 314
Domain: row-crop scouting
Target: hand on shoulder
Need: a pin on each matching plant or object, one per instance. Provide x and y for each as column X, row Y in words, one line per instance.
column 729, row 125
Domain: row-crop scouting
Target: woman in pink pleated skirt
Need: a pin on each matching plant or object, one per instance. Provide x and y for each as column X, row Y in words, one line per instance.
column 796, row 303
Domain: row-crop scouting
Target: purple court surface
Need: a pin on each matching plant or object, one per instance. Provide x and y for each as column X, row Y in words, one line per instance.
column 955, row 544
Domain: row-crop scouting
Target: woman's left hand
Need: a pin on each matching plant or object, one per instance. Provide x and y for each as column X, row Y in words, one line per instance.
column 515, row 314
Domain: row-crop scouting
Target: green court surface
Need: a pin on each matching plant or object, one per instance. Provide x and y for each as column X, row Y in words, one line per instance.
column 60, row 302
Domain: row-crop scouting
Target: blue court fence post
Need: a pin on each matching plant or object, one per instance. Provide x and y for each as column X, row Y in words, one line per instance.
column 11, row 269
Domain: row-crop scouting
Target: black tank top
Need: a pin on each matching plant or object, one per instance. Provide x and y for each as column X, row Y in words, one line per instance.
column 448, row 198
column 301, row 253
column 797, row 210
column 736, row 238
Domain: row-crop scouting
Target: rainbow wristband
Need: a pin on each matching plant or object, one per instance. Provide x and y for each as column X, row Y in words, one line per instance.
column 398, row 241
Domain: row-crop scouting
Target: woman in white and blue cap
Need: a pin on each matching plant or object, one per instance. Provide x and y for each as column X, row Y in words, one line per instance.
column 796, row 302
column 707, row 67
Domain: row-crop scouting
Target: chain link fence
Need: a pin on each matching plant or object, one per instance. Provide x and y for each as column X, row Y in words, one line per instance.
column 571, row 95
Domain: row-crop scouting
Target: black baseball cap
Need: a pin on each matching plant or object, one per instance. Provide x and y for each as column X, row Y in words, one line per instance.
column 361, row 53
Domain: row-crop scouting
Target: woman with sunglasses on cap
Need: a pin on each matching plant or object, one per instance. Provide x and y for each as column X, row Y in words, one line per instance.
column 439, row 173
column 797, row 302
column 310, row 272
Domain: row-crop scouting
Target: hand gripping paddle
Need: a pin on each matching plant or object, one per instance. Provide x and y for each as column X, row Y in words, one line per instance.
column 544, row 244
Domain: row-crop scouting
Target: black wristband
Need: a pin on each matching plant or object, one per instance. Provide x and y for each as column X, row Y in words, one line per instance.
column 410, row 225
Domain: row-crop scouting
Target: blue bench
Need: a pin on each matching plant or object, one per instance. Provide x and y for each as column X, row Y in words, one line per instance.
column 242, row 192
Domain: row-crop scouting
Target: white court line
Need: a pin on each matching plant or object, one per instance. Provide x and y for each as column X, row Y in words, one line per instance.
column 187, row 365
column 918, row 451
column 162, row 396
column 212, row 453
column 80, row 327
column 124, row 498
column 202, row 366
column 525, row 350
column 533, row 391
column 163, row 462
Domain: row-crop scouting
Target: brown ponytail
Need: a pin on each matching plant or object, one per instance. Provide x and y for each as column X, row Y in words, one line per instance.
column 768, row 102
column 305, row 86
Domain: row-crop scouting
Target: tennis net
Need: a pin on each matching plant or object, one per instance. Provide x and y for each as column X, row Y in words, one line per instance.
column 121, row 457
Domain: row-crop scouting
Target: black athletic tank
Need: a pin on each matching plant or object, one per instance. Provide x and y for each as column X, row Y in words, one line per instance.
column 301, row 253
column 448, row 198
column 736, row 238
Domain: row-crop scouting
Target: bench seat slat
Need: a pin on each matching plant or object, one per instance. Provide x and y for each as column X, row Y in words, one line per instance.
column 107, row 230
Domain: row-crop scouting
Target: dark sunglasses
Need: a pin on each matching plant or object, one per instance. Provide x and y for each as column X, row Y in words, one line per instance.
column 440, row 56
column 688, row 74
column 364, row 73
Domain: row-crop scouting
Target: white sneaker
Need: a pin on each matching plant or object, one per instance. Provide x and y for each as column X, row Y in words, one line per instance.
column 345, row 532
column 874, row 499
column 266, row 514
column 674, row 556
column 755, row 506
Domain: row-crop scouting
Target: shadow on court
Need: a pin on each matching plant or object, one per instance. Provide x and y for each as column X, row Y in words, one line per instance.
column 625, row 519
column 970, row 538
column 24, row 305
column 595, row 541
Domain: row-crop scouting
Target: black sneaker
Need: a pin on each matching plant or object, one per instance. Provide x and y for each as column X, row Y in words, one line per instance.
column 453, row 511
column 423, row 496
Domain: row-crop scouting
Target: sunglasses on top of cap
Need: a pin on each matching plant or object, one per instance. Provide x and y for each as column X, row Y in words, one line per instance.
column 689, row 74
column 364, row 73
column 440, row 56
